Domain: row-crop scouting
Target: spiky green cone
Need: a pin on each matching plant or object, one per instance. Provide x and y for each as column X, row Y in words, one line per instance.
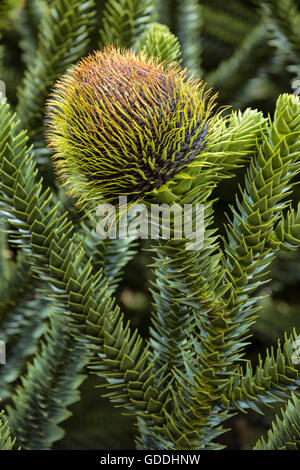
column 123, row 124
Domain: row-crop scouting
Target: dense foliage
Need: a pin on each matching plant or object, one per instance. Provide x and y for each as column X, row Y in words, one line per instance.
column 181, row 364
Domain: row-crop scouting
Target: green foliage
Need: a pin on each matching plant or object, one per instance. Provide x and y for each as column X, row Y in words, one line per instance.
column 285, row 433
column 8, row 9
column 272, row 381
column 261, row 205
column 190, row 12
column 32, row 15
column 59, row 314
column 6, row 441
column 62, row 39
column 287, row 232
column 20, row 330
column 225, row 24
column 59, row 349
column 124, row 21
column 177, row 15
column 285, row 17
column 137, row 385
column 233, row 73
column 59, row 344
column 48, row 388
column 158, row 41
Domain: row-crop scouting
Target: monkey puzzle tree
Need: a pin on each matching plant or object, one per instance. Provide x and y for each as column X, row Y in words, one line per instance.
column 125, row 123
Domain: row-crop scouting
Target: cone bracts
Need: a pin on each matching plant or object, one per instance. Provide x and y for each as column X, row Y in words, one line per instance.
column 122, row 124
